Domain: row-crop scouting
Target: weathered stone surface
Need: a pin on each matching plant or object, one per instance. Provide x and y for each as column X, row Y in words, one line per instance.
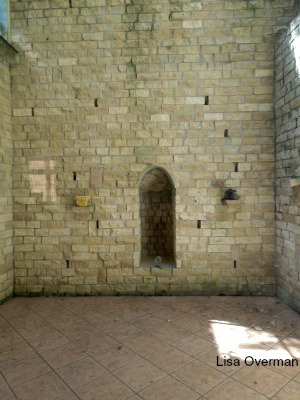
column 6, row 184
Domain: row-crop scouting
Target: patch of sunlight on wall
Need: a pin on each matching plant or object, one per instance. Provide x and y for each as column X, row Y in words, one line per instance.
column 295, row 43
column 43, row 179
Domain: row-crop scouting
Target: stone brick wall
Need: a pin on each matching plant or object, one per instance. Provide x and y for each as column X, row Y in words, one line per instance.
column 6, row 216
column 287, row 107
column 107, row 90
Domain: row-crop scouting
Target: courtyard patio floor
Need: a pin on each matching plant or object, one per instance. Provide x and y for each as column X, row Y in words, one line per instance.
column 150, row 348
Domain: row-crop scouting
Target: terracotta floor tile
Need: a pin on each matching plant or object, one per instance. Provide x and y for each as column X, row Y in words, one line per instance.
column 148, row 304
column 261, row 379
column 4, row 325
column 281, row 325
column 207, row 332
column 139, row 374
column 46, row 387
column 161, row 350
column 267, row 301
column 28, row 317
column 104, row 321
column 169, row 388
column 124, row 331
column 48, row 341
column 29, row 331
column 232, row 304
column 281, row 352
column 15, row 352
column 116, row 357
column 63, row 355
column 230, row 308
column 169, row 333
column 65, row 320
column 271, row 307
column 9, row 337
column 295, row 334
column 233, row 390
column 3, row 385
column 45, row 307
column 24, row 370
column 168, row 314
column 78, row 331
column 96, row 343
column 297, row 378
column 289, row 392
column 210, row 314
column 257, row 312
column 144, row 344
column 7, row 395
column 69, row 396
column 90, row 313
column 13, row 309
column 107, row 302
column 291, row 345
column 76, row 307
column 187, row 305
column 106, row 388
column 167, row 301
column 81, row 372
column 51, row 310
column 249, row 301
column 128, row 313
column 248, row 317
column 199, row 376
column 256, row 337
column 148, row 323
column 194, row 345
column 190, row 323
column 169, row 359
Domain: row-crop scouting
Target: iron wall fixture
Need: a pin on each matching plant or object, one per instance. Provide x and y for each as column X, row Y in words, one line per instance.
column 230, row 194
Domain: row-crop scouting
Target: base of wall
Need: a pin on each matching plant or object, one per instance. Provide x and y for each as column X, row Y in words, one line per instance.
column 290, row 302
column 146, row 290
column 6, row 298
column 288, row 296
column 6, row 285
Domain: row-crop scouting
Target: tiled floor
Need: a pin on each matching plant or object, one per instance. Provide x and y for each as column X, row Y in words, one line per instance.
column 151, row 348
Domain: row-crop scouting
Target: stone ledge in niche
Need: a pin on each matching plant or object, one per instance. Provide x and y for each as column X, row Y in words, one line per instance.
column 230, row 203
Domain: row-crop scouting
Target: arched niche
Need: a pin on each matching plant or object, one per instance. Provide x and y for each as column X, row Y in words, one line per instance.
column 157, row 212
